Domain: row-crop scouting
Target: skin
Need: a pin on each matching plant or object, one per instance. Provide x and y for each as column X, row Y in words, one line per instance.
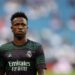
column 19, row 28
column 2, row 72
column 41, row 72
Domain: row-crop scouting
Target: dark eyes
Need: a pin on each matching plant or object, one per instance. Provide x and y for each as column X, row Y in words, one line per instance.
column 22, row 24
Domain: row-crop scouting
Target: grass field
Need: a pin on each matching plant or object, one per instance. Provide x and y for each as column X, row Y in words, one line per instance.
column 51, row 73
column 50, row 68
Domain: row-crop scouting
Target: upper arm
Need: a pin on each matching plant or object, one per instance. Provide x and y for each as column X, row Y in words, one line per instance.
column 40, row 59
column 41, row 72
column 2, row 64
column 2, row 72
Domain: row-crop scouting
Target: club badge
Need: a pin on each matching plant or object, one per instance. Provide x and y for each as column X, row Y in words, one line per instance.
column 29, row 54
column 9, row 55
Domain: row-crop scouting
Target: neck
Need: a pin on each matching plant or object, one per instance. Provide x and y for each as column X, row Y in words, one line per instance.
column 21, row 41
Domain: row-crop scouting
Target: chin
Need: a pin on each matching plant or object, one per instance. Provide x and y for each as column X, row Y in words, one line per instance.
column 19, row 36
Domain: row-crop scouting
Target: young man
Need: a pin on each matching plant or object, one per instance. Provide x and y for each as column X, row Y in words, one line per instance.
column 21, row 56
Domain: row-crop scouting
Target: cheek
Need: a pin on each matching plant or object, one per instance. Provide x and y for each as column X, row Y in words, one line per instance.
column 26, row 30
column 14, row 30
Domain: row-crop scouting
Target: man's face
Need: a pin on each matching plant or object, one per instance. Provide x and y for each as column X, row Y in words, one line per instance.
column 19, row 26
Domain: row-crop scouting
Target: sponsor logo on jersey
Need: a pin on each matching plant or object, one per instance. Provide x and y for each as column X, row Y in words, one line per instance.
column 19, row 65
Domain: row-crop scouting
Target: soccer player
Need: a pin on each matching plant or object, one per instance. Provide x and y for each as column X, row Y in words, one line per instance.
column 21, row 56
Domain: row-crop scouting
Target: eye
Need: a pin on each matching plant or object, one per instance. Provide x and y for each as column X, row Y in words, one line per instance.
column 24, row 24
column 16, row 24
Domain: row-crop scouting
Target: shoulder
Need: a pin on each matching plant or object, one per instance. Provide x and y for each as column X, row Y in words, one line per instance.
column 4, row 46
column 35, row 43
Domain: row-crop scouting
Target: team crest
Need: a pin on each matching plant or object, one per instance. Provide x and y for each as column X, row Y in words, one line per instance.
column 29, row 54
column 9, row 55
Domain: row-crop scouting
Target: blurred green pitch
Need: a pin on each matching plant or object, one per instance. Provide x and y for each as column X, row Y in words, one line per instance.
column 51, row 73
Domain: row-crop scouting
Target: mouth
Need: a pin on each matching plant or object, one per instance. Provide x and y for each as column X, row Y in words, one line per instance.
column 21, row 30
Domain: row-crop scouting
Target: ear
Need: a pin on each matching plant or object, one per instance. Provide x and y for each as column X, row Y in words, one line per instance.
column 27, row 27
column 11, row 28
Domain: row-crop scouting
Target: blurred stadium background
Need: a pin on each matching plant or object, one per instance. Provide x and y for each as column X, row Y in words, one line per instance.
column 51, row 23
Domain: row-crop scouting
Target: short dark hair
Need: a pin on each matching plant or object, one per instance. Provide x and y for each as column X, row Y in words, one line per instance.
column 19, row 14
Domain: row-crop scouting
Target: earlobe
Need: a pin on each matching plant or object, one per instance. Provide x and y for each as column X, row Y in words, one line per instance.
column 11, row 27
column 27, row 27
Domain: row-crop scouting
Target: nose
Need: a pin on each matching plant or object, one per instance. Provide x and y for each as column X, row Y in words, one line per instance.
column 20, row 27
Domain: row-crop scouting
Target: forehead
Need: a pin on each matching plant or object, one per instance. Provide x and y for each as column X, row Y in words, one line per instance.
column 19, row 19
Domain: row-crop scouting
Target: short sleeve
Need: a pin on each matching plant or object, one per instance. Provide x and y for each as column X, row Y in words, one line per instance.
column 40, row 58
column 2, row 62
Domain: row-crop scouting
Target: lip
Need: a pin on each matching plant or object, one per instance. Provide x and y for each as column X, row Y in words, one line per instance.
column 20, row 30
